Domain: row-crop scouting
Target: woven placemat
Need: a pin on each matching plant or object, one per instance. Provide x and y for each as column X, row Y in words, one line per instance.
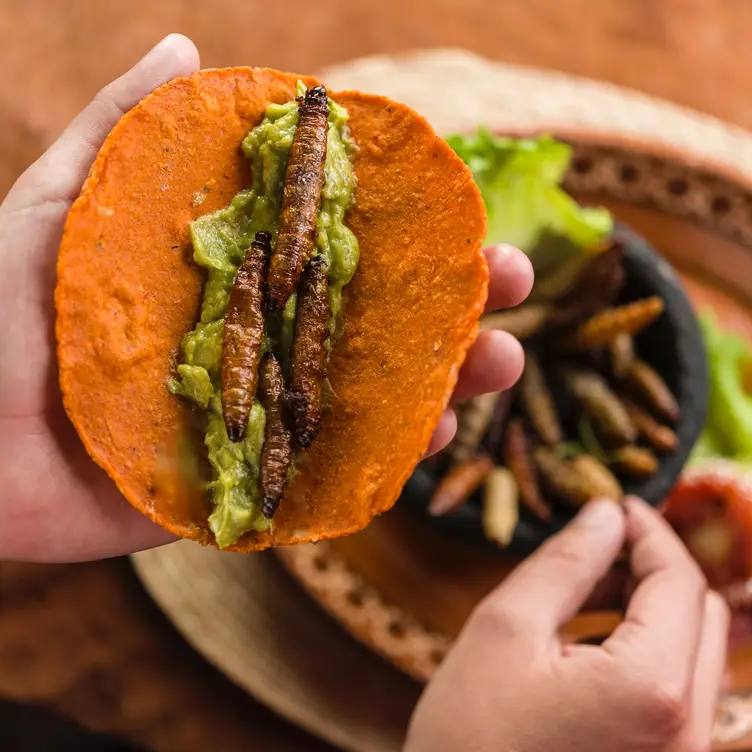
column 456, row 90
column 244, row 613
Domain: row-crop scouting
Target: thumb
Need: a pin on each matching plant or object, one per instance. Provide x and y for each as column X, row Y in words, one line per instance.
column 549, row 588
column 57, row 176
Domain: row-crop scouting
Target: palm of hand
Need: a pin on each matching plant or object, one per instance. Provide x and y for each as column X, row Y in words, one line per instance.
column 57, row 505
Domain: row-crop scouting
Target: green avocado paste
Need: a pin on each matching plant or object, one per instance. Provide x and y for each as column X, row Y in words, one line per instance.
column 220, row 241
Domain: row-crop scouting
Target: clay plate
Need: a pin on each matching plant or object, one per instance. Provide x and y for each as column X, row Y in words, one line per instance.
column 405, row 590
column 400, row 589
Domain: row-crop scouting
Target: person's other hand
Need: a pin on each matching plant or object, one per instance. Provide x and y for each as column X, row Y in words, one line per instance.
column 510, row 684
column 56, row 504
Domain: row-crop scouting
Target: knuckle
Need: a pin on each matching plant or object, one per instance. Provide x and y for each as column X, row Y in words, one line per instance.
column 499, row 616
column 106, row 99
column 565, row 554
column 665, row 707
column 104, row 95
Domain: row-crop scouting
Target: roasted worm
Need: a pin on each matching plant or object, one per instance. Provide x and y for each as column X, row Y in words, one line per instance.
column 600, row 403
column 635, row 461
column 577, row 481
column 648, row 383
column 602, row 328
column 243, row 334
column 301, row 198
column 517, row 457
column 473, row 419
column 309, row 350
column 539, row 403
column 276, row 454
column 459, row 484
column 660, row 437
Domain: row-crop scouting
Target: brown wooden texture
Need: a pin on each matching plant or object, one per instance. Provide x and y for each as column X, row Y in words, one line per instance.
column 297, row 662
column 85, row 641
column 84, row 638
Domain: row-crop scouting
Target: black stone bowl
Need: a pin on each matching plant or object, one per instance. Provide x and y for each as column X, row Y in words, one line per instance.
column 673, row 345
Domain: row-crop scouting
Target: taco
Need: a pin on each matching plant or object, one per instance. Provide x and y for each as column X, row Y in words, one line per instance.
column 277, row 282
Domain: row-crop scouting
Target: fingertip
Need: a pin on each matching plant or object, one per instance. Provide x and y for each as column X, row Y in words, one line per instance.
column 494, row 364
column 510, row 276
column 602, row 513
column 630, row 500
column 605, row 517
column 515, row 356
column 183, row 51
column 59, row 173
column 444, row 432
column 172, row 57
column 508, row 346
column 641, row 516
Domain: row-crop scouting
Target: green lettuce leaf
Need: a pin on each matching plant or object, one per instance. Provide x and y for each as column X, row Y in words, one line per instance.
column 728, row 428
column 520, row 182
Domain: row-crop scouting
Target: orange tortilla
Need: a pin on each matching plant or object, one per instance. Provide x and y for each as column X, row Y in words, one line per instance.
column 128, row 291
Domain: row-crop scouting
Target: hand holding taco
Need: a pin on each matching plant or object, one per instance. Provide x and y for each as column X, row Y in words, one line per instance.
column 58, row 504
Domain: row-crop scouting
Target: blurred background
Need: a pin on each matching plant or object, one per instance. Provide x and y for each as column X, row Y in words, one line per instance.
column 84, row 640
column 56, row 54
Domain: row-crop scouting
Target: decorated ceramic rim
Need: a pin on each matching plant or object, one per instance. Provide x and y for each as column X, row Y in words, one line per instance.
column 520, row 99
column 387, row 629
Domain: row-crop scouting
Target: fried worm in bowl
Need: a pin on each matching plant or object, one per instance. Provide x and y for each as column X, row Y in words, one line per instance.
column 614, row 392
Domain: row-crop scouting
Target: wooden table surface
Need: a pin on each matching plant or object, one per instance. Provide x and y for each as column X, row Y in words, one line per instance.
column 85, row 639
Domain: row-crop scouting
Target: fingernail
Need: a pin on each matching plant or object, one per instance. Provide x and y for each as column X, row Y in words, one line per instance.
column 600, row 513
column 634, row 506
column 159, row 45
column 631, row 499
column 171, row 40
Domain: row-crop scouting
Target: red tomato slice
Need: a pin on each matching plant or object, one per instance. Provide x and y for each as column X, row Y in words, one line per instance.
column 711, row 510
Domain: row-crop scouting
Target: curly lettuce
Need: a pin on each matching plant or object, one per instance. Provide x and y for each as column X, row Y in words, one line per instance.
column 520, row 180
column 728, row 428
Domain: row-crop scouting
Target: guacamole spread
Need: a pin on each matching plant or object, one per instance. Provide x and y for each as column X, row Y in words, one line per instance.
column 220, row 241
